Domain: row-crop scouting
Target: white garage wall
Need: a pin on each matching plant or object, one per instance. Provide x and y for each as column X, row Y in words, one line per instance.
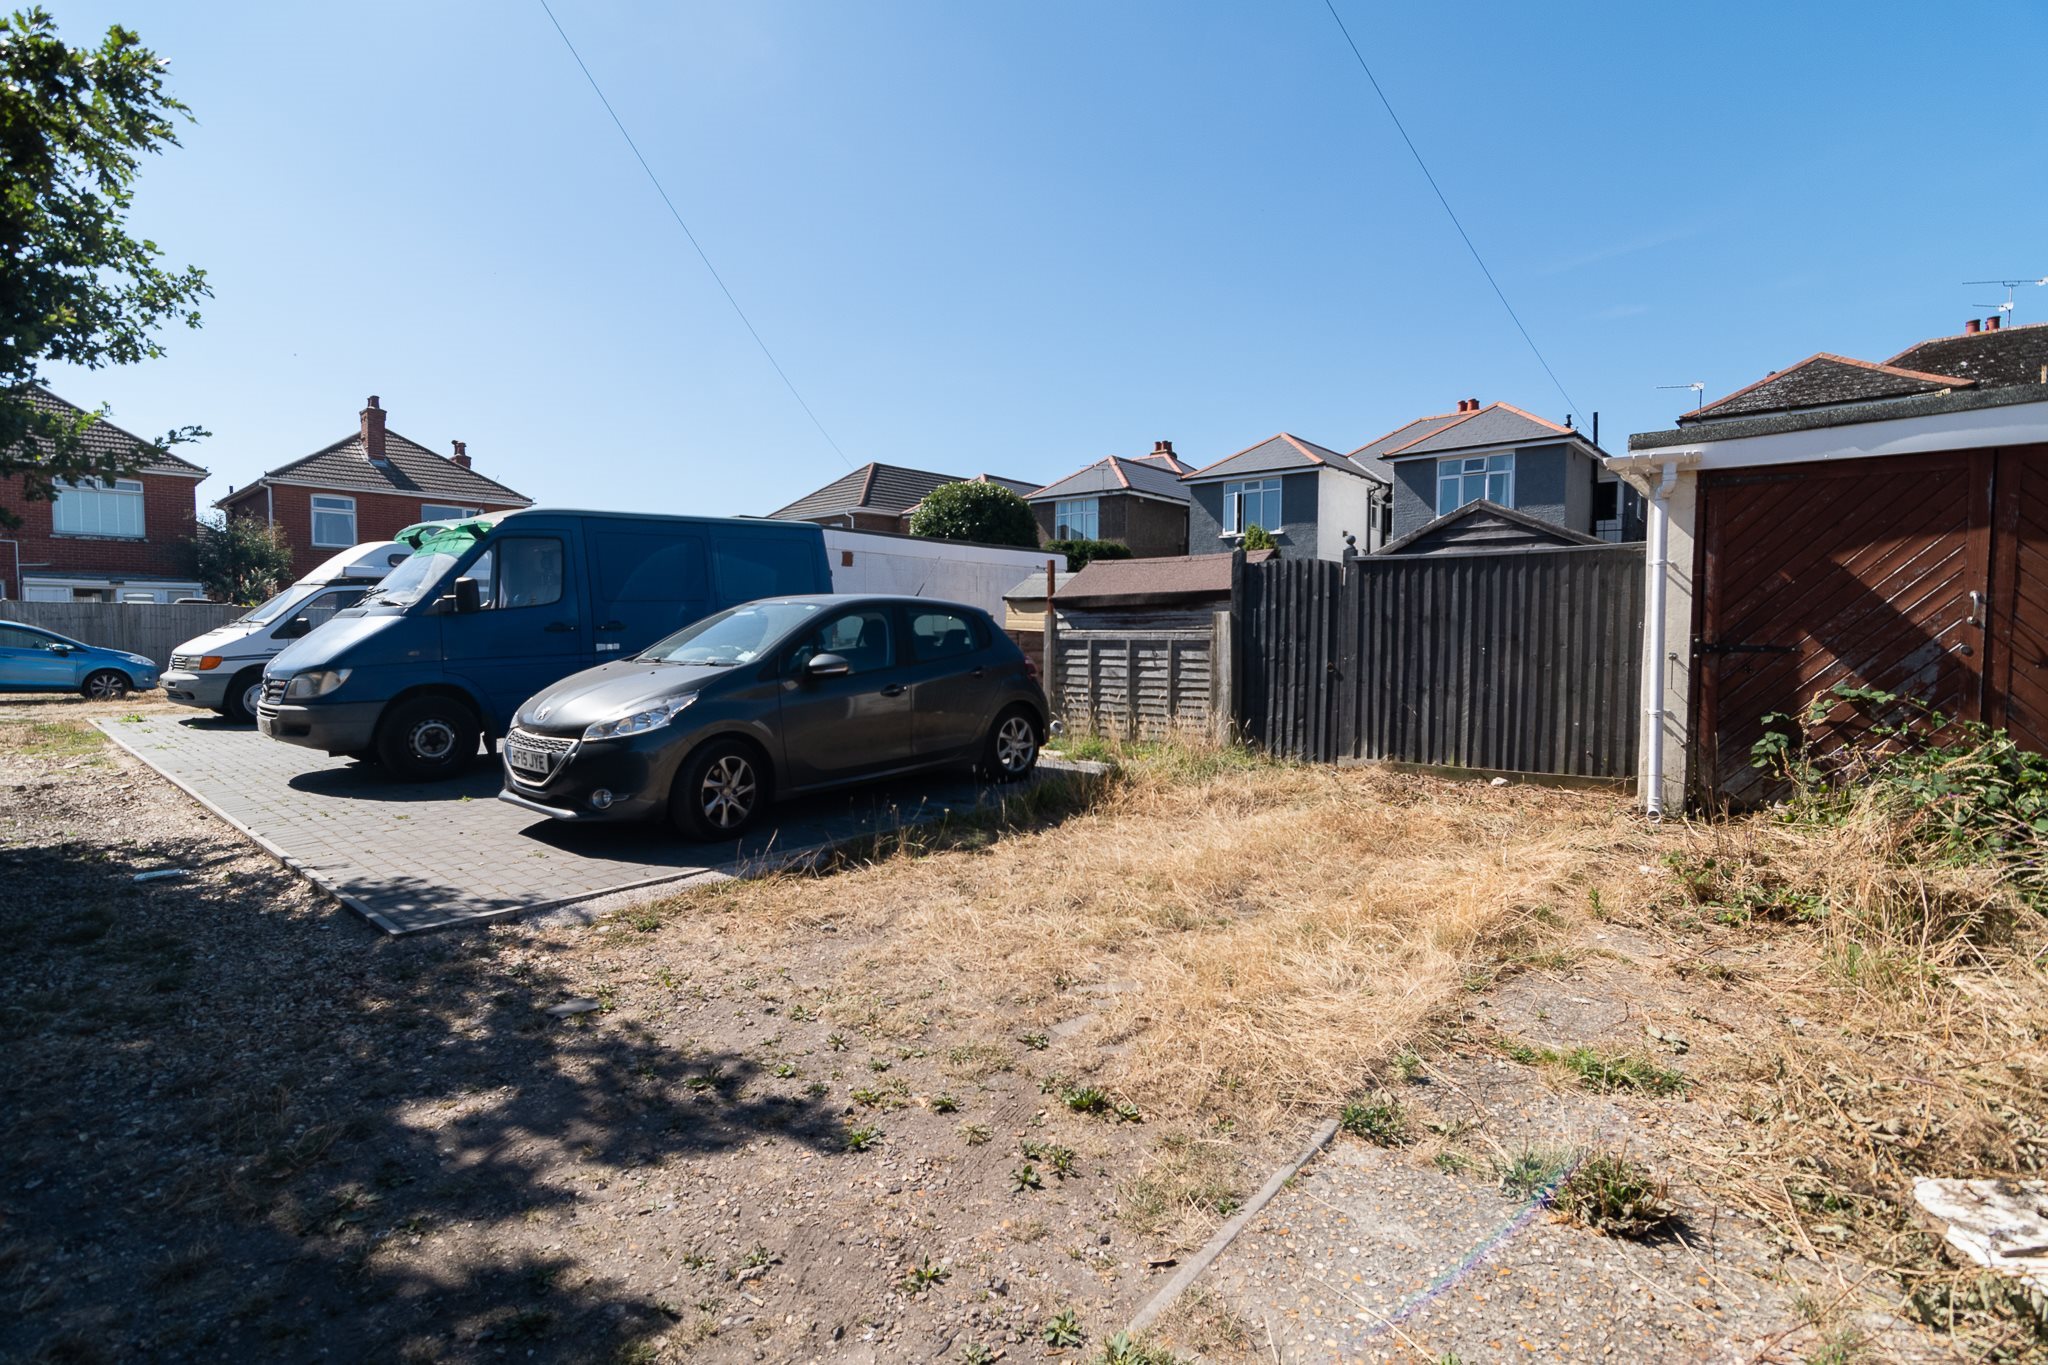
column 954, row 570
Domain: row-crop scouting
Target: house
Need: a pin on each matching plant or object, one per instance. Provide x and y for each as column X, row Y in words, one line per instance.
column 1497, row 453
column 1309, row 497
column 1139, row 502
column 369, row 485
column 1845, row 521
column 125, row 540
column 879, row 497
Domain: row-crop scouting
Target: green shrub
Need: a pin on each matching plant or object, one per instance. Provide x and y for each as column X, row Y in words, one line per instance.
column 1257, row 537
column 986, row 512
column 1080, row 553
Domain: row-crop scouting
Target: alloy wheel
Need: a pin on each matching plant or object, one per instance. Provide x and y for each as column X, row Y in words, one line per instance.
column 1015, row 744
column 727, row 793
column 104, row 687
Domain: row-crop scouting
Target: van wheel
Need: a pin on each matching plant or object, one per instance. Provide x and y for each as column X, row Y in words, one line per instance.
column 720, row 791
column 427, row 738
column 105, row 685
column 243, row 694
column 1012, row 750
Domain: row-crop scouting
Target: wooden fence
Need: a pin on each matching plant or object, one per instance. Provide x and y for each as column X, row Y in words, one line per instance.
column 1135, row 674
column 147, row 628
column 1518, row 661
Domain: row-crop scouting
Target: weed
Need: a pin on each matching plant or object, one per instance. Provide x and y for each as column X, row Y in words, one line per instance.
column 1622, row 1071
column 1025, row 1178
column 837, row 1042
column 785, row 1070
column 975, row 1133
column 759, row 1256
column 885, row 1098
column 1533, row 1172
column 644, row 921
column 1086, row 1100
column 1057, row 1159
column 1037, row 1042
column 1609, row 1193
column 1451, row 1162
column 817, row 1090
column 1378, row 1120
column 974, row 1353
column 978, row 1061
column 1062, row 1330
column 924, row 1275
column 879, row 1064
column 1842, row 1347
column 1127, row 1112
column 860, row 1138
column 1408, row 1062
column 1125, row 1349
column 944, row 1104
column 801, row 1014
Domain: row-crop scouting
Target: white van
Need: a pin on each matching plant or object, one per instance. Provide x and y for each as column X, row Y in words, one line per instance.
column 222, row 670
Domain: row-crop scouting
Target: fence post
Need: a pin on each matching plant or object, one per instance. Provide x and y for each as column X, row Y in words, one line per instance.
column 1233, row 653
column 1222, row 678
column 1051, row 645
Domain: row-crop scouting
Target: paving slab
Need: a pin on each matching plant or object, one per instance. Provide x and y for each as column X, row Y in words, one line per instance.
column 412, row 858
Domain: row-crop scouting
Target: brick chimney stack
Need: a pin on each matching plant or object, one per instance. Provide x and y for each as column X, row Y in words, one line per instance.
column 373, row 431
column 1991, row 324
column 461, row 455
column 1970, row 327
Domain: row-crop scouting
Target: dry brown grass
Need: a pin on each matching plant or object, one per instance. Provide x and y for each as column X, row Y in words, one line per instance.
column 1269, row 932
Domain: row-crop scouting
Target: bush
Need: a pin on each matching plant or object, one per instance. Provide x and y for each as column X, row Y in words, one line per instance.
column 987, row 512
column 1080, row 553
column 1257, row 537
column 241, row 560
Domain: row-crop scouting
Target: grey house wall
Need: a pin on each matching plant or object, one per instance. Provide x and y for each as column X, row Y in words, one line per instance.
column 1554, row 482
column 1296, row 536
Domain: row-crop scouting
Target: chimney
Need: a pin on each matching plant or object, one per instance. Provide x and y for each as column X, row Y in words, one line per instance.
column 461, row 455
column 373, row 431
column 1163, row 449
column 1991, row 323
column 1472, row 404
column 1970, row 328
column 1461, row 405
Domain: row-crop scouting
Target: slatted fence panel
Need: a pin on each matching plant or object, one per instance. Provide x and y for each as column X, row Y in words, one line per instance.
column 1135, row 684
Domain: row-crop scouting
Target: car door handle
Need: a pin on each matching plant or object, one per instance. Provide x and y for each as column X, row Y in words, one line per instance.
column 893, row 690
column 560, row 627
column 977, row 672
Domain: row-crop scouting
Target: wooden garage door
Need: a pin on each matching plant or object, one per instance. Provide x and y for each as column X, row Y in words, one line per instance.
column 1811, row 575
column 2016, row 682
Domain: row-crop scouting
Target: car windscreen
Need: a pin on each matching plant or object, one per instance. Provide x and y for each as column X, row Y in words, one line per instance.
column 280, row 604
column 738, row 636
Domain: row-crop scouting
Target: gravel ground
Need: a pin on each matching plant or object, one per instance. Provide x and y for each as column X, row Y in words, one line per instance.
column 244, row 1124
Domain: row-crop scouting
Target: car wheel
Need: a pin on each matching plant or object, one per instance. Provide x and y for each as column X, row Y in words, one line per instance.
column 1012, row 750
column 105, row 685
column 243, row 694
column 720, row 791
column 427, row 738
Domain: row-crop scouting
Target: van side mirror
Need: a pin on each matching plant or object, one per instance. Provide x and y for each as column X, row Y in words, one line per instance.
column 294, row 628
column 469, row 597
column 828, row 666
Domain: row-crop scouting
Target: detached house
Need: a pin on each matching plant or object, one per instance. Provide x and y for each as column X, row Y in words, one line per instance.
column 119, row 540
column 369, row 485
column 879, row 497
column 1491, row 476
column 1308, row 496
column 1140, row 502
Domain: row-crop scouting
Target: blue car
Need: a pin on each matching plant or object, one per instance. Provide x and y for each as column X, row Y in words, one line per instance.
column 36, row 660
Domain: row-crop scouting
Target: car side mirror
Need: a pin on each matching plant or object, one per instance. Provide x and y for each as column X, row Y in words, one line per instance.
column 469, row 597
column 827, row 666
column 60, row 648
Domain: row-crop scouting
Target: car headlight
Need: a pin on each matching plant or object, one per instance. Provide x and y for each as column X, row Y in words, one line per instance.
column 640, row 722
column 316, row 682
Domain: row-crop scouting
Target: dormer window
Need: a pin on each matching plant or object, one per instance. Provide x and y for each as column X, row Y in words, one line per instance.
column 1469, row 478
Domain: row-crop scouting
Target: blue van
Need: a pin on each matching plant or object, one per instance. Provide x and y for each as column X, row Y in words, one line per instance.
column 489, row 611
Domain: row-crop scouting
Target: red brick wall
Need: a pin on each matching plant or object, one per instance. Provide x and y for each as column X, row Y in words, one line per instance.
column 379, row 516
column 168, row 505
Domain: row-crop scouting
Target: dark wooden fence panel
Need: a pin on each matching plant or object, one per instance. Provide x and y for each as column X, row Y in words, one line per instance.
column 1522, row 661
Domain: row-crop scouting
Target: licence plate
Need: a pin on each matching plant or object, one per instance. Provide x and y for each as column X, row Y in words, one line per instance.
column 526, row 760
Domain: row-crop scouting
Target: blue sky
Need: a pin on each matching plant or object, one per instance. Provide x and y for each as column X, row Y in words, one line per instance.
column 1018, row 237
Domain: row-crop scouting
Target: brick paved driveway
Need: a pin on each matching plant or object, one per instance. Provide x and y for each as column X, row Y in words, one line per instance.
column 412, row 858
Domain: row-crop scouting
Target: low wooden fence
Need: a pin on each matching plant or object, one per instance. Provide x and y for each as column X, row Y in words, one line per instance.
column 1136, row 684
column 1518, row 661
column 150, row 629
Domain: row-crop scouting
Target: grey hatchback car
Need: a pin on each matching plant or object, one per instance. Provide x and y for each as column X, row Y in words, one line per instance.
column 775, row 698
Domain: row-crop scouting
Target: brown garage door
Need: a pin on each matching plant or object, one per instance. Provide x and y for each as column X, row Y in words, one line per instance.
column 1870, row 572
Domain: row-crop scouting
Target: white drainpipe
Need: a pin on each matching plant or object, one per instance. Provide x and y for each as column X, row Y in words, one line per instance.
column 269, row 507
column 1659, row 569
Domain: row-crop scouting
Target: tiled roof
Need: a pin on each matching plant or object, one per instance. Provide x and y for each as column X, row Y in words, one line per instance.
column 408, row 468
column 872, row 487
column 1493, row 425
column 1021, row 487
column 105, row 440
column 1109, row 581
column 1824, row 380
column 1279, row 454
column 1403, row 435
column 2010, row 355
column 1117, row 475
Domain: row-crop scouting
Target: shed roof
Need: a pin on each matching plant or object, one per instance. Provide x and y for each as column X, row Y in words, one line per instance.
column 1482, row 526
column 1170, row 578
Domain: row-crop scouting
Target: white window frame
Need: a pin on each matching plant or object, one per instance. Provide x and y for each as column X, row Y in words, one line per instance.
column 1069, row 514
column 1459, row 475
column 337, row 505
column 446, row 511
column 1234, row 494
column 94, row 504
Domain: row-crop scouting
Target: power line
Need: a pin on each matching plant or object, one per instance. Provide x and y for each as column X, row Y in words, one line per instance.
column 655, row 181
column 1480, row 260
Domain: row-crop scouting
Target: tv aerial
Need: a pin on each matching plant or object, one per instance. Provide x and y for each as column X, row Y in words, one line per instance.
column 1696, row 386
column 2009, row 286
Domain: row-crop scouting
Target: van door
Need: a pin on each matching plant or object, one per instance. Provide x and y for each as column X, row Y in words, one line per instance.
column 649, row 581
column 533, row 629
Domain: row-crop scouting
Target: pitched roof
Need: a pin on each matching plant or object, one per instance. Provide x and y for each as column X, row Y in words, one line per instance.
column 2009, row 355
column 1481, row 526
column 105, row 441
column 409, row 468
column 872, row 488
column 1823, row 380
column 1021, row 487
column 1116, row 474
column 1496, row 424
column 1403, row 435
column 1278, row 454
column 1126, row 582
